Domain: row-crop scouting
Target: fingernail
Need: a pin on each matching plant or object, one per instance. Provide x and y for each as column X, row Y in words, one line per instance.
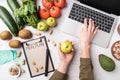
column 72, row 50
column 97, row 27
column 85, row 19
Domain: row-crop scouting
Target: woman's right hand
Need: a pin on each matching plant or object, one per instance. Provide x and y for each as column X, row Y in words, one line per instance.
column 87, row 34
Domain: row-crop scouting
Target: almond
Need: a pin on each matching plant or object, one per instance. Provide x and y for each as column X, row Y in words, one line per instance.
column 50, row 31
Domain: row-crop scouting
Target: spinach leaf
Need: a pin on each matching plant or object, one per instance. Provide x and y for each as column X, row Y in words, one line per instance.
column 32, row 20
column 22, row 11
column 31, row 7
column 28, row 11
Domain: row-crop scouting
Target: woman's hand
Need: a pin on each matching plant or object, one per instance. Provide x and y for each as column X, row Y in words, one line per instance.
column 87, row 34
column 65, row 60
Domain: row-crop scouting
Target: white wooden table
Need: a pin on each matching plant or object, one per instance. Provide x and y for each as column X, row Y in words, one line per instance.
column 58, row 36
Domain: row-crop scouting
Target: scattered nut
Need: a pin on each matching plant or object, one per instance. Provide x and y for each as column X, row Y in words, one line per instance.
column 11, row 73
column 19, row 53
column 40, row 67
column 48, row 40
column 50, row 31
column 53, row 43
column 14, row 71
column 36, row 69
column 33, row 63
column 10, row 69
column 17, row 64
column 23, row 62
column 23, row 71
column 38, row 33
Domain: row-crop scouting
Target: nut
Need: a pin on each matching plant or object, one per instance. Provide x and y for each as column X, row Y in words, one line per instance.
column 23, row 62
column 38, row 33
column 23, row 71
column 48, row 40
column 36, row 69
column 17, row 64
column 33, row 63
column 50, row 31
column 19, row 53
column 14, row 71
column 11, row 73
column 53, row 43
column 40, row 67
column 10, row 69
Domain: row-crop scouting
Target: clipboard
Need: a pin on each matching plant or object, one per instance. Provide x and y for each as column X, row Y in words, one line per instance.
column 38, row 56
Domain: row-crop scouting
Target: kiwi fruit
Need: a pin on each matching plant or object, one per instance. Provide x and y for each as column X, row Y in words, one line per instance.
column 25, row 34
column 15, row 44
column 5, row 35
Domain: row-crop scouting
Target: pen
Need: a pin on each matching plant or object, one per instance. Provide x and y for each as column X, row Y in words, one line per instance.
column 47, row 60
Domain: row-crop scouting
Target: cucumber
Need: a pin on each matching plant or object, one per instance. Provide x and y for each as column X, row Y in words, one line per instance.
column 13, row 4
column 106, row 63
column 8, row 20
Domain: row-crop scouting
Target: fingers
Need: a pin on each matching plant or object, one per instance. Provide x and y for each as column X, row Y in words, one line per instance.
column 95, row 31
column 72, row 51
column 85, row 23
column 92, row 29
column 60, row 52
column 90, row 25
column 93, row 26
column 84, row 26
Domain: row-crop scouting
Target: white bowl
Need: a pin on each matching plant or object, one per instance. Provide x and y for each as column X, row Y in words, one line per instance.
column 19, row 71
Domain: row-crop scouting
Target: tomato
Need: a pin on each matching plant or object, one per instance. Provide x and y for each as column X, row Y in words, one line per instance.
column 55, row 11
column 48, row 3
column 44, row 13
column 60, row 3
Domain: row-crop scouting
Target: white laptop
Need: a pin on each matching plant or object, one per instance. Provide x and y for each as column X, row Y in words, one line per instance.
column 103, row 12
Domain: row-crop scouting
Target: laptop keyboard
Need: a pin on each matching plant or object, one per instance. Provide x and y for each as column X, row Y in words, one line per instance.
column 103, row 21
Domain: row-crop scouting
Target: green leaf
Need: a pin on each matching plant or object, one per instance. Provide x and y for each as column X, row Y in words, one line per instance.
column 21, row 12
column 32, row 20
column 31, row 7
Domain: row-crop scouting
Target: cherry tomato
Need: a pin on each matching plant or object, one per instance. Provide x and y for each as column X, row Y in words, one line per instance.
column 48, row 3
column 60, row 3
column 44, row 13
column 55, row 11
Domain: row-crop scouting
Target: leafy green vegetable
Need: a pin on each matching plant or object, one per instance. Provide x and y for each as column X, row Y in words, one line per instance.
column 25, row 1
column 31, row 7
column 22, row 11
column 31, row 20
column 28, row 11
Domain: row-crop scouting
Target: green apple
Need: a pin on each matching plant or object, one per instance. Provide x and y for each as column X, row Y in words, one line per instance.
column 66, row 47
column 42, row 26
column 51, row 21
